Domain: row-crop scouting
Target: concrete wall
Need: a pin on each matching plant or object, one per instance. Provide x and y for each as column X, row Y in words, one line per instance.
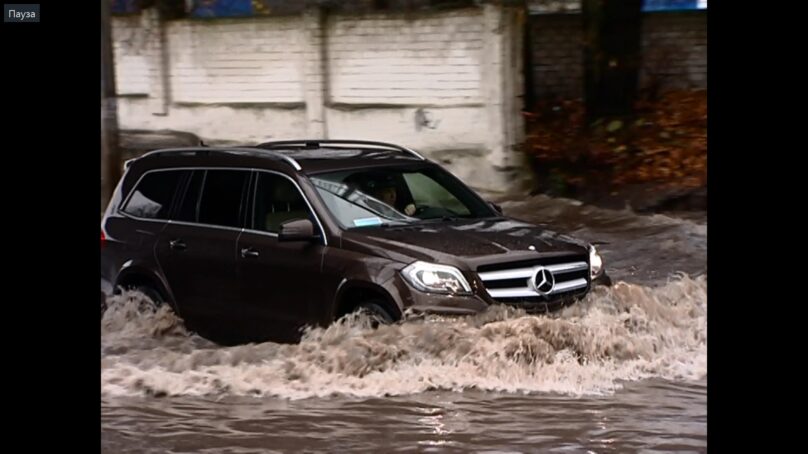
column 443, row 82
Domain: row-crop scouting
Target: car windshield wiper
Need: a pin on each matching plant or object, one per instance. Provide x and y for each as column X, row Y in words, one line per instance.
column 441, row 219
column 394, row 224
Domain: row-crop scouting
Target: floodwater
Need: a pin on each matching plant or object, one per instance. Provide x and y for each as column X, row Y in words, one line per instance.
column 624, row 370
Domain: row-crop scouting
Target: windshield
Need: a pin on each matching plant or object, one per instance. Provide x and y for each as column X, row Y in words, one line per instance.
column 397, row 195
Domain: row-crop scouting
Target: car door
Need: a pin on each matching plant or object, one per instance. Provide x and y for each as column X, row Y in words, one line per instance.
column 132, row 235
column 197, row 250
column 280, row 281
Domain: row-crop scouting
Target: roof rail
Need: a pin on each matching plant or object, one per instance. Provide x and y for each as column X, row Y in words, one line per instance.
column 319, row 143
column 223, row 150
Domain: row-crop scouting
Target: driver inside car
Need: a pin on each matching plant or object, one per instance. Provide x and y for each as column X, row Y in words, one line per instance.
column 387, row 193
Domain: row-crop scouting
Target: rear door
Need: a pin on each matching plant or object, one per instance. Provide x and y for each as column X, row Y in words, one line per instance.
column 197, row 250
column 132, row 231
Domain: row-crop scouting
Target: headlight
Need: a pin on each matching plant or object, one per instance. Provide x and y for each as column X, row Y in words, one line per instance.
column 433, row 278
column 595, row 263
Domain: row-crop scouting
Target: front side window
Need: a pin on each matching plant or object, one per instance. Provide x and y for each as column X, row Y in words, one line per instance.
column 151, row 198
column 277, row 200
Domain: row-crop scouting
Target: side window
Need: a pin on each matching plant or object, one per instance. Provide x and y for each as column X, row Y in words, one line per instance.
column 427, row 192
column 189, row 207
column 220, row 203
column 277, row 200
column 151, row 198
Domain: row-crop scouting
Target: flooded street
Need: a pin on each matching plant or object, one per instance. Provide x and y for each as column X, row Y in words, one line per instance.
column 640, row 249
column 622, row 371
column 433, row 421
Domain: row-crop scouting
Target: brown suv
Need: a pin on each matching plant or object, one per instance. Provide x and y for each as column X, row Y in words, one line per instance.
column 254, row 243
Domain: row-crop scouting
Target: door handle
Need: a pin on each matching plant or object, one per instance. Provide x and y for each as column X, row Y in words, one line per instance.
column 249, row 252
column 177, row 245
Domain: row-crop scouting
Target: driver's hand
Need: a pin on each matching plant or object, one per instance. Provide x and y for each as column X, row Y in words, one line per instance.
column 409, row 210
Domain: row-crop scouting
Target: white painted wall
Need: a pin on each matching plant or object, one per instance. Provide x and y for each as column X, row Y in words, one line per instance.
column 440, row 82
column 434, row 59
column 245, row 60
column 134, row 44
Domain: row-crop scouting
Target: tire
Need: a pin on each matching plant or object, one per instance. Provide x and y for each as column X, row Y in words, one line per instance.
column 155, row 300
column 377, row 313
column 153, row 295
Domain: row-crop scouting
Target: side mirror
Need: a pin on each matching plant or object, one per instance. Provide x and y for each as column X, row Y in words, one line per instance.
column 496, row 207
column 297, row 230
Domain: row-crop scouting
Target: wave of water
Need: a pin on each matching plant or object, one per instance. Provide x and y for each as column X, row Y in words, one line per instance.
column 623, row 333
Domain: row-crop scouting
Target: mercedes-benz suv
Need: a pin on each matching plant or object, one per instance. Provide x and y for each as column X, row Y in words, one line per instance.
column 255, row 243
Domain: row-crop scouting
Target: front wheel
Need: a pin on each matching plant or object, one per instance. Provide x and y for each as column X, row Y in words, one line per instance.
column 376, row 312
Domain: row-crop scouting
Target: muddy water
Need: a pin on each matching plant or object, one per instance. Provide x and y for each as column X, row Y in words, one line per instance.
column 624, row 370
column 640, row 249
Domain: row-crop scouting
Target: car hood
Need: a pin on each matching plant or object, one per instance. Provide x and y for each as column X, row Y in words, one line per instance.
column 461, row 241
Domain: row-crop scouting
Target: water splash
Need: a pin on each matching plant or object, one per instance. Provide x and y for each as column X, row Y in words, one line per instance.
column 627, row 332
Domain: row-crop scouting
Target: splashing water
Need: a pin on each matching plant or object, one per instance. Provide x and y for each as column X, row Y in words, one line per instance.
column 624, row 333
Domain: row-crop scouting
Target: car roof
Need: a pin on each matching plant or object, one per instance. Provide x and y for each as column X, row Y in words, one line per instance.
column 310, row 157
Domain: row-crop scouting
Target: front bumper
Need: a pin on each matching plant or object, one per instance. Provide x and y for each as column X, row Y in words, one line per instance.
column 415, row 301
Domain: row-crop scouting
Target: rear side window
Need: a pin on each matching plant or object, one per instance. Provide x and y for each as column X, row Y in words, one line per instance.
column 222, row 195
column 151, row 198
column 189, row 206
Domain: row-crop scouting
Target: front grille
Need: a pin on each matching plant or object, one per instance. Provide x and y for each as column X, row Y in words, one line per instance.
column 549, row 260
column 509, row 283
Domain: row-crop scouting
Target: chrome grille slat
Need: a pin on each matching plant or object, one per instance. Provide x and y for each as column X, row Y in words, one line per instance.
column 528, row 272
column 560, row 287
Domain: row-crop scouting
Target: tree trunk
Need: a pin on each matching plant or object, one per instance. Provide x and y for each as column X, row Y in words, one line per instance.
column 110, row 150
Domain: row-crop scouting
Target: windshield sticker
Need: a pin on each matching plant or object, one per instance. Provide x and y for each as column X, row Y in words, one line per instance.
column 365, row 222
